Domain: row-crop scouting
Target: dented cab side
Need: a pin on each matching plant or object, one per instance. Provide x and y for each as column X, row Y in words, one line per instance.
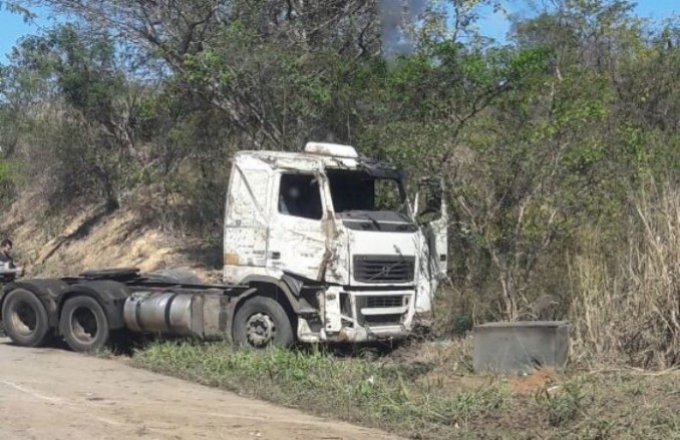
column 322, row 259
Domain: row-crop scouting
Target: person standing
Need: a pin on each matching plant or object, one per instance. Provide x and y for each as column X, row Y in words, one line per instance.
column 6, row 261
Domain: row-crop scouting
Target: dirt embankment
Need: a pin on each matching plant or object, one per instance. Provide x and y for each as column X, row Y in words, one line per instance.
column 96, row 238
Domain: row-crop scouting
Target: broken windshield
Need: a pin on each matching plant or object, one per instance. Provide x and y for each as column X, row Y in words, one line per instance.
column 359, row 191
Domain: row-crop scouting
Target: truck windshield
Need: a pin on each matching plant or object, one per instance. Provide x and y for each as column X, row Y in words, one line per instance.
column 359, row 191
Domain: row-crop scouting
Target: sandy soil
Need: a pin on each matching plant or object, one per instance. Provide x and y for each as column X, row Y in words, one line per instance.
column 49, row 394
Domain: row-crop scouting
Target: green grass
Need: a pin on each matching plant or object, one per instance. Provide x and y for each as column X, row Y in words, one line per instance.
column 418, row 401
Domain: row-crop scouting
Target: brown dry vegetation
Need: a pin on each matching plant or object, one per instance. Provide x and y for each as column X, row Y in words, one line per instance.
column 95, row 237
column 626, row 292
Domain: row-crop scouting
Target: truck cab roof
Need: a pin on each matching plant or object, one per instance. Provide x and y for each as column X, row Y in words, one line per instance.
column 316, row 157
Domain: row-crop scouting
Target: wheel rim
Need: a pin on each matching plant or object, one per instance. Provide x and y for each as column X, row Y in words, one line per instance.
column 84, row 325
column 260, row 330
column 24, row 319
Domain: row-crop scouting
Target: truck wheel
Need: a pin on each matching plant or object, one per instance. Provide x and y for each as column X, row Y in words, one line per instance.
column 260, row 323
column 83, row 324
column 25, row 319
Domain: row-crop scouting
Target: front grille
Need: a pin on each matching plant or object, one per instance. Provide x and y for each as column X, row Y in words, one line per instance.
column 383, row 302
column 380, row 269
column 378, row 320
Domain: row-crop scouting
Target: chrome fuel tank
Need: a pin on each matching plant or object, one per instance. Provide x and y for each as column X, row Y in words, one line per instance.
column 164, row 312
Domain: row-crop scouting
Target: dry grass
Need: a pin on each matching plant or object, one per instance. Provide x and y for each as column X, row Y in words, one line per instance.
column 625, row 301
column 94, row 237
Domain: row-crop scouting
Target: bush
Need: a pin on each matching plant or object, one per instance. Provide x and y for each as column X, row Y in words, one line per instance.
column 625, row 292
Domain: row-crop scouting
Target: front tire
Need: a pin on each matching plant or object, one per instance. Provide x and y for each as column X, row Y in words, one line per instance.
column 25, row 319
column 83, row 324
column 262, row 322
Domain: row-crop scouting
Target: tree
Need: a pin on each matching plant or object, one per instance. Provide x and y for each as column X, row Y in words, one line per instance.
column 16, row 8
column 230, row 51
column 74, row 77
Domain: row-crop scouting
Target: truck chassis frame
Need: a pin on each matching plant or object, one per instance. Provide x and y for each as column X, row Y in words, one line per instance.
column 89, row 309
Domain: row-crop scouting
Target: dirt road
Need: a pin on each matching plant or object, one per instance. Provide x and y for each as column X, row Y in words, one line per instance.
column 55, row 394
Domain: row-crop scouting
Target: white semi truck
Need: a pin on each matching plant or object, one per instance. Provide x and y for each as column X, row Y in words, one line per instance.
column 319, row 246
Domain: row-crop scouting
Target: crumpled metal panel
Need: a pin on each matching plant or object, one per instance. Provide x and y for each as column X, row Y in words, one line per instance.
column 338, row 266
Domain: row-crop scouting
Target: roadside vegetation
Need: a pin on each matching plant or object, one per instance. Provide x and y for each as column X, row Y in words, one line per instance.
column 430, row 394
column 560, row 148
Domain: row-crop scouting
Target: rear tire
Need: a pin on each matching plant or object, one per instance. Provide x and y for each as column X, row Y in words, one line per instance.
column 262, row 322
column 25, row 319
column 83, row 324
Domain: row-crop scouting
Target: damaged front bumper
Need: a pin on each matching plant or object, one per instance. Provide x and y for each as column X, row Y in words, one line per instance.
column 346, row 334
column 359, row 316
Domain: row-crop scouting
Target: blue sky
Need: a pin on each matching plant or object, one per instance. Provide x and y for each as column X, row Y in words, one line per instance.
column 13, row 27
column 495, row 25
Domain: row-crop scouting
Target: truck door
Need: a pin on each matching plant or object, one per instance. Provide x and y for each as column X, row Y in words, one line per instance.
column 433, row 218
column 297, row 241
column 437, row 230
column 246, row 221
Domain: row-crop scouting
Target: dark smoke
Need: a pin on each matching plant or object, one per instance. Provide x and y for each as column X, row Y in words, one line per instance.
column 395, row 14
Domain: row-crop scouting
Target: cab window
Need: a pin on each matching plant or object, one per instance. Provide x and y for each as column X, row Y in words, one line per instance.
column 300, row 196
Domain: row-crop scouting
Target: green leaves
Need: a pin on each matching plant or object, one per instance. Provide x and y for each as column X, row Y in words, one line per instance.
column 205, row 67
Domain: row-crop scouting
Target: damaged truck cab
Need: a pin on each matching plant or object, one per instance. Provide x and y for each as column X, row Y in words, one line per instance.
column 333, row 239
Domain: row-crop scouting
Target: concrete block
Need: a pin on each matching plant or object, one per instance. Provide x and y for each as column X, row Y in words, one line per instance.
column 520, row 347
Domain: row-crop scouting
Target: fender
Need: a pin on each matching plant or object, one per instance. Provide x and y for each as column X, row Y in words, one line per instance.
column 231, row 311
column 291, row 292
column 48, row 292
column 258, row 279
column 111, row 295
